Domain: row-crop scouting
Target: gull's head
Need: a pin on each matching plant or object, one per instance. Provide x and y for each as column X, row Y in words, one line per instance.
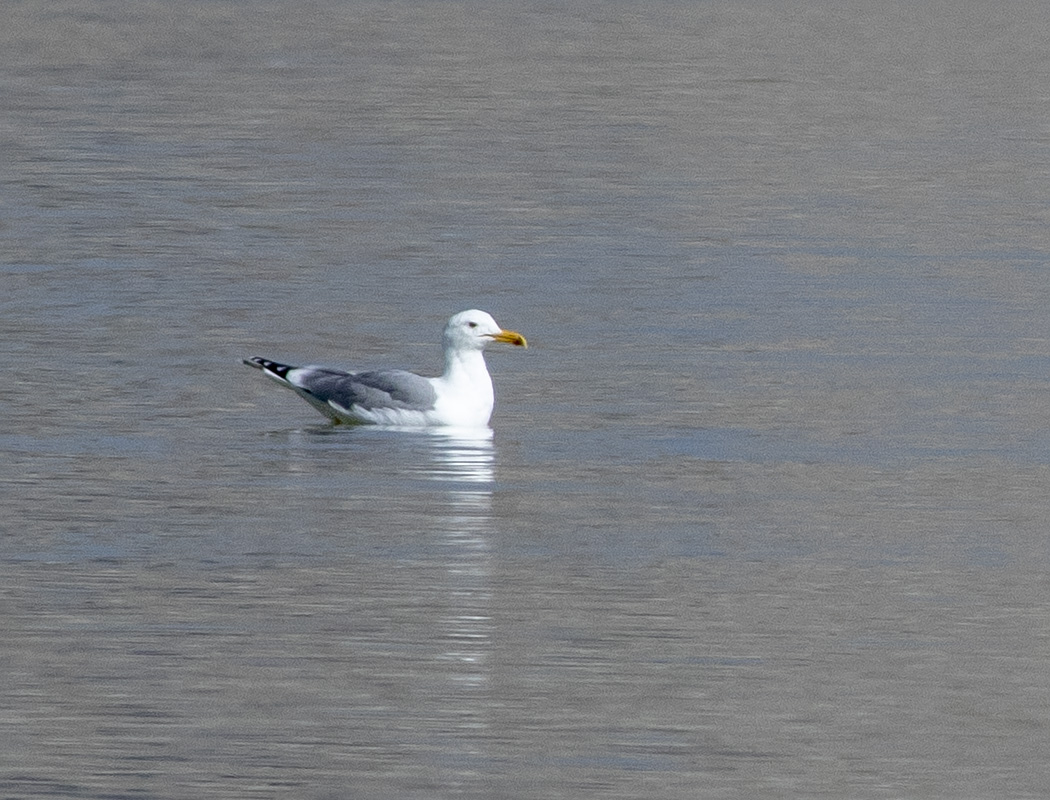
column 472, row 330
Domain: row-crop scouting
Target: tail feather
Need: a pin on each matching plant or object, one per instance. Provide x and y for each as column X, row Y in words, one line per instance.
column 279, row 372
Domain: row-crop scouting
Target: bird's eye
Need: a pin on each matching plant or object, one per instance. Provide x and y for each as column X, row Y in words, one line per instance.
column 472, row 324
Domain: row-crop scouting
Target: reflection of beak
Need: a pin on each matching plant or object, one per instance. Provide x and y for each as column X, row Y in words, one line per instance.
column 510, row 337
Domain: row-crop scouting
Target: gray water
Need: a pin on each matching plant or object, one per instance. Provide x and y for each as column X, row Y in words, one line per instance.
column 766, row 504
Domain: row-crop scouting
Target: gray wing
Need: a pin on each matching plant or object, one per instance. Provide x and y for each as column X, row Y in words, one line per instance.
column 389, row 388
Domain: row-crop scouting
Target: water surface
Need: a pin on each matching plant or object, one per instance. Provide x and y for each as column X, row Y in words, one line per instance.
column 764, row 508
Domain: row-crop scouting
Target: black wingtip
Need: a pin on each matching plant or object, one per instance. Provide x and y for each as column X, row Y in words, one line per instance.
column 273, row 367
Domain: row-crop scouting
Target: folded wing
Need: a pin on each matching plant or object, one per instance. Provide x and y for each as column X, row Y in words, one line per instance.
column 392, row 395
column 380, row 389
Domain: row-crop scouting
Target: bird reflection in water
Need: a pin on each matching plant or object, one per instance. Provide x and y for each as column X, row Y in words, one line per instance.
column 463, row 461
column 450, row 472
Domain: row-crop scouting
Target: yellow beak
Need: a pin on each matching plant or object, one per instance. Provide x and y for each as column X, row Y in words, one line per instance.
column 510, row 337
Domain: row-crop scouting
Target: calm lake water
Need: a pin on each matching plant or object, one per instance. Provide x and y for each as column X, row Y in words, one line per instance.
column 765, row 511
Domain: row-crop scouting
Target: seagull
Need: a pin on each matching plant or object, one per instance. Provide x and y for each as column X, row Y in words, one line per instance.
column 461, row 397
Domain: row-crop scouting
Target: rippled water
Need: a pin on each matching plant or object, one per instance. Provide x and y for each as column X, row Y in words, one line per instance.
column 764, row 508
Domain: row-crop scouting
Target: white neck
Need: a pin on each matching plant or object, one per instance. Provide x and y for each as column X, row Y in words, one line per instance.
column 466, row 373
column 466, row 366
